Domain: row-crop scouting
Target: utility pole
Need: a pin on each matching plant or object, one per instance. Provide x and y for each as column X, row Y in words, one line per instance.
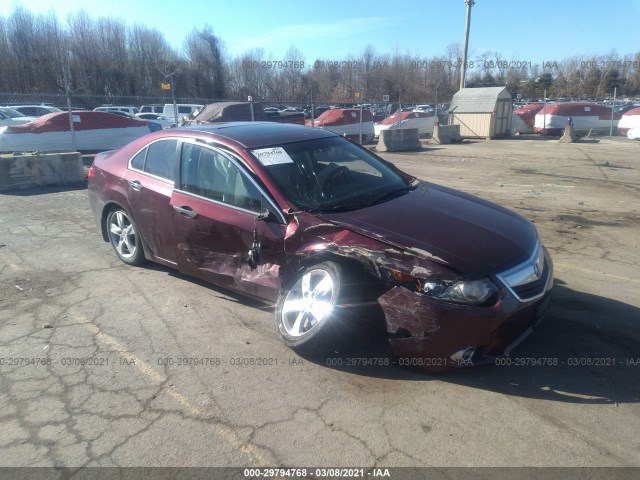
column 173, row 97
column 613, row 106
column 469, row 4
column 66, row 73
column 164, row 68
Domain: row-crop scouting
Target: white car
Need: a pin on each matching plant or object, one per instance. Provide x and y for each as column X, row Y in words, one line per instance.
column 157, row 118
column 151, row 108
column 35, row 110
column 116, row 108
column 9, row 116
column 423, row 121
column 424, row 108
column 184, row 110
column 633, row 133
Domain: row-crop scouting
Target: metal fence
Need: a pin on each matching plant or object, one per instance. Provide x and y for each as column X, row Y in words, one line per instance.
column 93, row 123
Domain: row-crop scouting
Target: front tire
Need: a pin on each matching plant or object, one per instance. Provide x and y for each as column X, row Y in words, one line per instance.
column 312, row 313
column 124, row 237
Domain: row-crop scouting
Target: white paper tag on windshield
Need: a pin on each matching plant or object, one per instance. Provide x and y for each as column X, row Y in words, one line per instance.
column 272, row 156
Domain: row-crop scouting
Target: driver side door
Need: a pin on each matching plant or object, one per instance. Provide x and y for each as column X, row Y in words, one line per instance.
column 216, row 203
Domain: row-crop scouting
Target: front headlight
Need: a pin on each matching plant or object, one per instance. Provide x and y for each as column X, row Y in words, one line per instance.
column 470, row 292
column 466, row 292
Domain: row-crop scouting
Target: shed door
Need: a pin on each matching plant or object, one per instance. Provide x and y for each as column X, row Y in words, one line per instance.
column 503, row 117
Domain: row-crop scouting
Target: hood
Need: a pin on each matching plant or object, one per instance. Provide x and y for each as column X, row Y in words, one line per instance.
column 470, row 235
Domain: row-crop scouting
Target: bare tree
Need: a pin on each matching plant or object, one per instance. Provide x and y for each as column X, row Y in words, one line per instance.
column 108, row 59
column 204, row 58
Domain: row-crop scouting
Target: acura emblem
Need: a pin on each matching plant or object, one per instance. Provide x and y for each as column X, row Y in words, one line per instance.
column 539, row 265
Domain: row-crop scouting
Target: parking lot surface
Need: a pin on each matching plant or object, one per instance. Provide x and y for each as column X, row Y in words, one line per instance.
column 102, row 364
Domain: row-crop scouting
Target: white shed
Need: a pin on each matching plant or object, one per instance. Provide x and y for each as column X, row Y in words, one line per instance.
column 482, row 112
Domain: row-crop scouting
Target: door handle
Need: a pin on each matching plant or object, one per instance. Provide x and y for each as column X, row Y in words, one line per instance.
column 186, row 211
column 135, row 184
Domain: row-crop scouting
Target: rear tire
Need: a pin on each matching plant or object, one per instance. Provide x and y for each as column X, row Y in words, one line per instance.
column 124, row 237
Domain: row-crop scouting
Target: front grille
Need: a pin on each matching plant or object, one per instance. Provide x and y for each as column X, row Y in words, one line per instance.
column 535, row 288
column 529, row 280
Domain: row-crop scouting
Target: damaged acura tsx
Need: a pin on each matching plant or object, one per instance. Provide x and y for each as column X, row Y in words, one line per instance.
column 320, row 226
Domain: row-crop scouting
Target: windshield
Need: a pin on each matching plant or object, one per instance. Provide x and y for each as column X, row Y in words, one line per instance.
column 10, row 112
column 330, row 174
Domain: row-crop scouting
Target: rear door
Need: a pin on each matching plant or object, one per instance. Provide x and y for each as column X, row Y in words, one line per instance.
column 216, row 202
column 150, row 180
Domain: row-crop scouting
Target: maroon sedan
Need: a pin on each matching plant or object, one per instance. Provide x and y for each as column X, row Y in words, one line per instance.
column 320, row 226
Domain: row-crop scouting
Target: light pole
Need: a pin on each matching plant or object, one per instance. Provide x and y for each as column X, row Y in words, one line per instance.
column 469, row 4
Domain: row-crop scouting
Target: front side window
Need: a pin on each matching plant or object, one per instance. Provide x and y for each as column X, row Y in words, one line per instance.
column 212, row 174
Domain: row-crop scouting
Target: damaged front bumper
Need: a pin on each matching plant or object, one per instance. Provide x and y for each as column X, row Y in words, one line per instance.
column 433, row 335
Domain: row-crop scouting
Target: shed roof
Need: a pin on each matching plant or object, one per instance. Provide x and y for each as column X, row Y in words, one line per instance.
column 477, row 100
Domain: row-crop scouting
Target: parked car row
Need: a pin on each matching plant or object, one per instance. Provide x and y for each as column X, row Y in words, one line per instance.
column 343, row 121
column 167, row 115
column 163, row 115
column 586, row 117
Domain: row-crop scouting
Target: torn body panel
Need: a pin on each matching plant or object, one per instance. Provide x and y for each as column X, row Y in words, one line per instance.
column 312, row 236
column 214, row 245
column 427, row 329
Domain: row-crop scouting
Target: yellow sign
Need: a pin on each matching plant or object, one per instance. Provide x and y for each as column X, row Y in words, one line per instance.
column 165, row 86
column 357, row 94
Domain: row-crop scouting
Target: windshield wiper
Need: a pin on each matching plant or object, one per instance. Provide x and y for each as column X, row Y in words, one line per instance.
column 393, row 194
column 345, row 207
column 342, row 207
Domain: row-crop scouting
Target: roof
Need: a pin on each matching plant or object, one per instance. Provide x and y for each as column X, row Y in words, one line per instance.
column 633, row 112
column 343, row 116
column 477, row 100
column 531, row 108
column 584, row 109
column 400, row 116
column 261, row 134
column 229, row 112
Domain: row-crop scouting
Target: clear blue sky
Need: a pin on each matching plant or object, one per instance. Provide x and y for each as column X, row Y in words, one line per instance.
column 536, row 30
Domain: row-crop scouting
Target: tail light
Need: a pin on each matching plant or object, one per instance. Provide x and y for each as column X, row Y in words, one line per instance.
column 92, row 173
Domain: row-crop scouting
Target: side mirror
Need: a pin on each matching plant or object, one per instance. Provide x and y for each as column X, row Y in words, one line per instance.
column 255, row 254
column 266, row 215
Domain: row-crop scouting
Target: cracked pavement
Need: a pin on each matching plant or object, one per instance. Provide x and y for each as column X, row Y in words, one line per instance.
column 102, row 364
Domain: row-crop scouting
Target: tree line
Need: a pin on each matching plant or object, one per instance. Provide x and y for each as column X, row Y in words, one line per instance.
column 103, row 56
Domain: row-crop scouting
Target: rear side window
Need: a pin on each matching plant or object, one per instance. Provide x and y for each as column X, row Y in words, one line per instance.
column 161, row 158
column 29, row 111
column 157, row 159
column 137, row 162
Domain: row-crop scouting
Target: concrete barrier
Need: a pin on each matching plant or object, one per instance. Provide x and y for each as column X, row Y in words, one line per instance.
column 569, row 135
column 446, row 133
column 398, row 140
column 38, row 169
